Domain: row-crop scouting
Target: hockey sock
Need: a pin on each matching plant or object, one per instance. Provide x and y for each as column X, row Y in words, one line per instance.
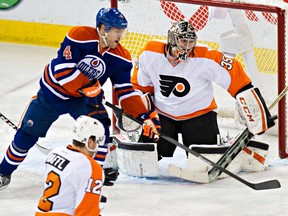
column 16, row 152
column 101, row 154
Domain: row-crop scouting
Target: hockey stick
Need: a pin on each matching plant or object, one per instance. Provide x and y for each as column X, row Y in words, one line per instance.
column 258, row 186
column 119, row 113
column 11, row 124
column 241, row 142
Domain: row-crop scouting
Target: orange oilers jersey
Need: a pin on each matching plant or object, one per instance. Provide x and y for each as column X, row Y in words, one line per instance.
column 185, row 91
column 73, row 184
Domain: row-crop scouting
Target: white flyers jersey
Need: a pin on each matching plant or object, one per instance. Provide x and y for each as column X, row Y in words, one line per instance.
column 185, row 90
column 73, row 184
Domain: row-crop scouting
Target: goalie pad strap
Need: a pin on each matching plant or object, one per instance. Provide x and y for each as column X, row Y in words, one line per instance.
column 259, row 145
column 215, row 149
column 137, row 147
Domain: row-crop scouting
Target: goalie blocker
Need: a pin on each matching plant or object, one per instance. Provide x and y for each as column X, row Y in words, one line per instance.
column 253, row 111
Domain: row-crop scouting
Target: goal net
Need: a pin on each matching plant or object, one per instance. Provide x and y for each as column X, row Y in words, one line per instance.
column 253, row 31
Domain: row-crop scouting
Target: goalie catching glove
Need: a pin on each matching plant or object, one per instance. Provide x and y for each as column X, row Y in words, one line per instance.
column 151, row 126
column 253, row 111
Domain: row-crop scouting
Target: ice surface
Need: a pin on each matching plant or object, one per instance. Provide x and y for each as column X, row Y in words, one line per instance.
column 21, row 67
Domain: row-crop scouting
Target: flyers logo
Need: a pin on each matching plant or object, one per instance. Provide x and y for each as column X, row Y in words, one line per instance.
column 176, row 85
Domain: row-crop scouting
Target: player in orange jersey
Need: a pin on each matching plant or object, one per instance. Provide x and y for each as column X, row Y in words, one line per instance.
column 179, row 75
column 73, row 178
column 71, row 84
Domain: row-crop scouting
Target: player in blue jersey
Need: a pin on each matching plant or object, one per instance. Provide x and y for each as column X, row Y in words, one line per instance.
column 71, row 84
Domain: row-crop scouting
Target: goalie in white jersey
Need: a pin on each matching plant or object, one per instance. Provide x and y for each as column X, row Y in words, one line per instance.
column 179, row 74
column 73, row 178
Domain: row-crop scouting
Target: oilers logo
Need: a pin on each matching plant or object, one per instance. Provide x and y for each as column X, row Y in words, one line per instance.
column 92, row 67
column 176, row 85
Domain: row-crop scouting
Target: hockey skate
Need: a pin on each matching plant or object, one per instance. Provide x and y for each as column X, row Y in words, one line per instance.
column 4, row 181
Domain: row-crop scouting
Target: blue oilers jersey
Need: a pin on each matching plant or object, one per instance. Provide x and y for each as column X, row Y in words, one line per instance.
column 80, row 61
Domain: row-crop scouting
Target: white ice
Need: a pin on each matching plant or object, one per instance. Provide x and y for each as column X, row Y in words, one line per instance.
column 21, row 67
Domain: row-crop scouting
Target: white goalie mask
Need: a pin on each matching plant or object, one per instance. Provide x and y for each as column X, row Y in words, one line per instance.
column 182, row 38
column 87, row 127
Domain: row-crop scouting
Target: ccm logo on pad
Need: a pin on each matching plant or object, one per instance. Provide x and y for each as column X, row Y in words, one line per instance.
column 246, row 109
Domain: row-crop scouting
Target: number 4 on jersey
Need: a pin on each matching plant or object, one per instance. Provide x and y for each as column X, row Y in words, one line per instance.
column 67, row 53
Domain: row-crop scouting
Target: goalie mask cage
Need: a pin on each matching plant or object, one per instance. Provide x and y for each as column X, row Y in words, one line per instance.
column 253, row 31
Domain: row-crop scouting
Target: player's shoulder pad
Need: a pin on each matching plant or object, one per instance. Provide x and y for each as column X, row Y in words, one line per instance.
column 201, row 50
column 155, row 46
column 121, row 51
column 82, row 34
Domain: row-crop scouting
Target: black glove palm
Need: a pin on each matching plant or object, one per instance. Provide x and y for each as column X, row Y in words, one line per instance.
column 111, row 175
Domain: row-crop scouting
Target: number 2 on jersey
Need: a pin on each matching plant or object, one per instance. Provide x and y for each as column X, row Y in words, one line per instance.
column 53, row 181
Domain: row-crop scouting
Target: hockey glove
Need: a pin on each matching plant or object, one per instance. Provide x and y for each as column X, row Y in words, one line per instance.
column 151, row 126
column 111, row 176
column 93, row 94
column 253, row 111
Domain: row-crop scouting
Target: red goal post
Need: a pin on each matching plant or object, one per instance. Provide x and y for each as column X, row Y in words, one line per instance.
column 255, row 33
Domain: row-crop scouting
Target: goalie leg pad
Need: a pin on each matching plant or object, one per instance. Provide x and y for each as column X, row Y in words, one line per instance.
column 255, row 157
column 251, row 159
column 111, row 157
column 253, row 111
column 213, row 153
column 137, row 159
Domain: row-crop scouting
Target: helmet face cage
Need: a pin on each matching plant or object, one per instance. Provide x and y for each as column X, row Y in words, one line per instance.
column 111, row 17
column 182, row 37
column 87, row 127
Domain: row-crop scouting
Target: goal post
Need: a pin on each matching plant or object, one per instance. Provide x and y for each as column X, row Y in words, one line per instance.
column 253, row 31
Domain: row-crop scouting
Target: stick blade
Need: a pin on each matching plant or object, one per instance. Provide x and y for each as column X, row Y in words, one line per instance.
column 198, row 177
column 42, row 149
column 267, row 185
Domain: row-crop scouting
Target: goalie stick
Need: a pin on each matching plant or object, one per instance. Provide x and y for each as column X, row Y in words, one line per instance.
column 256, row 186
column 241, row 142
column 11, row 124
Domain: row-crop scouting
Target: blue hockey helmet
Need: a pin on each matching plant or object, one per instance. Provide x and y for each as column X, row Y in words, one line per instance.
column 111, row 17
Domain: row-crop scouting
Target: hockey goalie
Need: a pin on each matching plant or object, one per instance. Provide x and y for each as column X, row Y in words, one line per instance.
column 180, row 74
column 139, row 159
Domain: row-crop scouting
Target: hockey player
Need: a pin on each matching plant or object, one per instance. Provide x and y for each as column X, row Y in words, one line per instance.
column 71, row 84
column 179, row 74
column 73, row 178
